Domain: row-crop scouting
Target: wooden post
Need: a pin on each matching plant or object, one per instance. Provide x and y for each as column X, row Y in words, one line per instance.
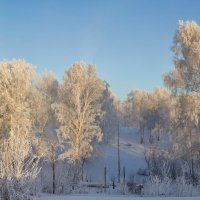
column 124, row 175
column 54, row 181
column 53, row 169
column 113, row 185
column 118, row 157
column 105, row 179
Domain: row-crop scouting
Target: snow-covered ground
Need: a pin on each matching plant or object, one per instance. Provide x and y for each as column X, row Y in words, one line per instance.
column 102, row 197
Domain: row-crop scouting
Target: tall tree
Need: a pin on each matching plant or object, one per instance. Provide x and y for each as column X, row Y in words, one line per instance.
column 184, row 82
column 18, row 97
column 110, row 108
column 185, row 77
column 136, row 107
column 79, row 110
column 48, row 140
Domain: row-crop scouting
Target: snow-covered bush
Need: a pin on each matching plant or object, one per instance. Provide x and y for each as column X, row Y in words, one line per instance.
column 155, row 186
column 73, row 177
column 19, row 182
column 68, row 176
column 183, row 188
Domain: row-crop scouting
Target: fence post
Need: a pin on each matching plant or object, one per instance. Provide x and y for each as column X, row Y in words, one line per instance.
column 118, row 154
column 124, row 175
column 113, row 185
column 105, row 179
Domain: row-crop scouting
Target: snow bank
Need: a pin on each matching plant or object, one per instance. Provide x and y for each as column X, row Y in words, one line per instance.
column 102, row 197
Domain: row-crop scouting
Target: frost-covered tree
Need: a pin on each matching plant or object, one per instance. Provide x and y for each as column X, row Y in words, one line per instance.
column 128, row 116
column 185, row 129
column 18, row 97
column 133, row 111
column 79, row 109
column 139, row 108
column 110, row 119
column 184, row 82
column 162, row 104
column 48, row 142
column 150, row 110
column 47, row 86
column 185, row 76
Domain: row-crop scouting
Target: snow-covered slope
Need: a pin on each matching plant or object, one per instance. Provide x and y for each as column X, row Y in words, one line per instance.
column 131, row 157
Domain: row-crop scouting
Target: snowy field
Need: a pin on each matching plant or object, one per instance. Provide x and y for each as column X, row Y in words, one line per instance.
column 101, row 197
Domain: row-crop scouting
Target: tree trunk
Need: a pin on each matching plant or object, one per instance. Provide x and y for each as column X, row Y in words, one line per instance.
column 150, row 137
column 141, row 135
column 82, row 168
column 192, row 162
column 158, row 133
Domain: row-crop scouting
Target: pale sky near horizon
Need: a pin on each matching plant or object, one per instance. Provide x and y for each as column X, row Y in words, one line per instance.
column 128, row 40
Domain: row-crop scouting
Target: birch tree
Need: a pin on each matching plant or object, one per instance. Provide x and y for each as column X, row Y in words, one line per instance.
column 79, row 110
column 185, row 76
column 17, row 120
column 47, row 140
column 184, row 82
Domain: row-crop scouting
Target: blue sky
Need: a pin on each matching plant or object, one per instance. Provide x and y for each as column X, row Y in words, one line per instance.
column 128, row 40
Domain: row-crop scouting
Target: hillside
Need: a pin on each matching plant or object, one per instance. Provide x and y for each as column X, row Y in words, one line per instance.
column 131, row 157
